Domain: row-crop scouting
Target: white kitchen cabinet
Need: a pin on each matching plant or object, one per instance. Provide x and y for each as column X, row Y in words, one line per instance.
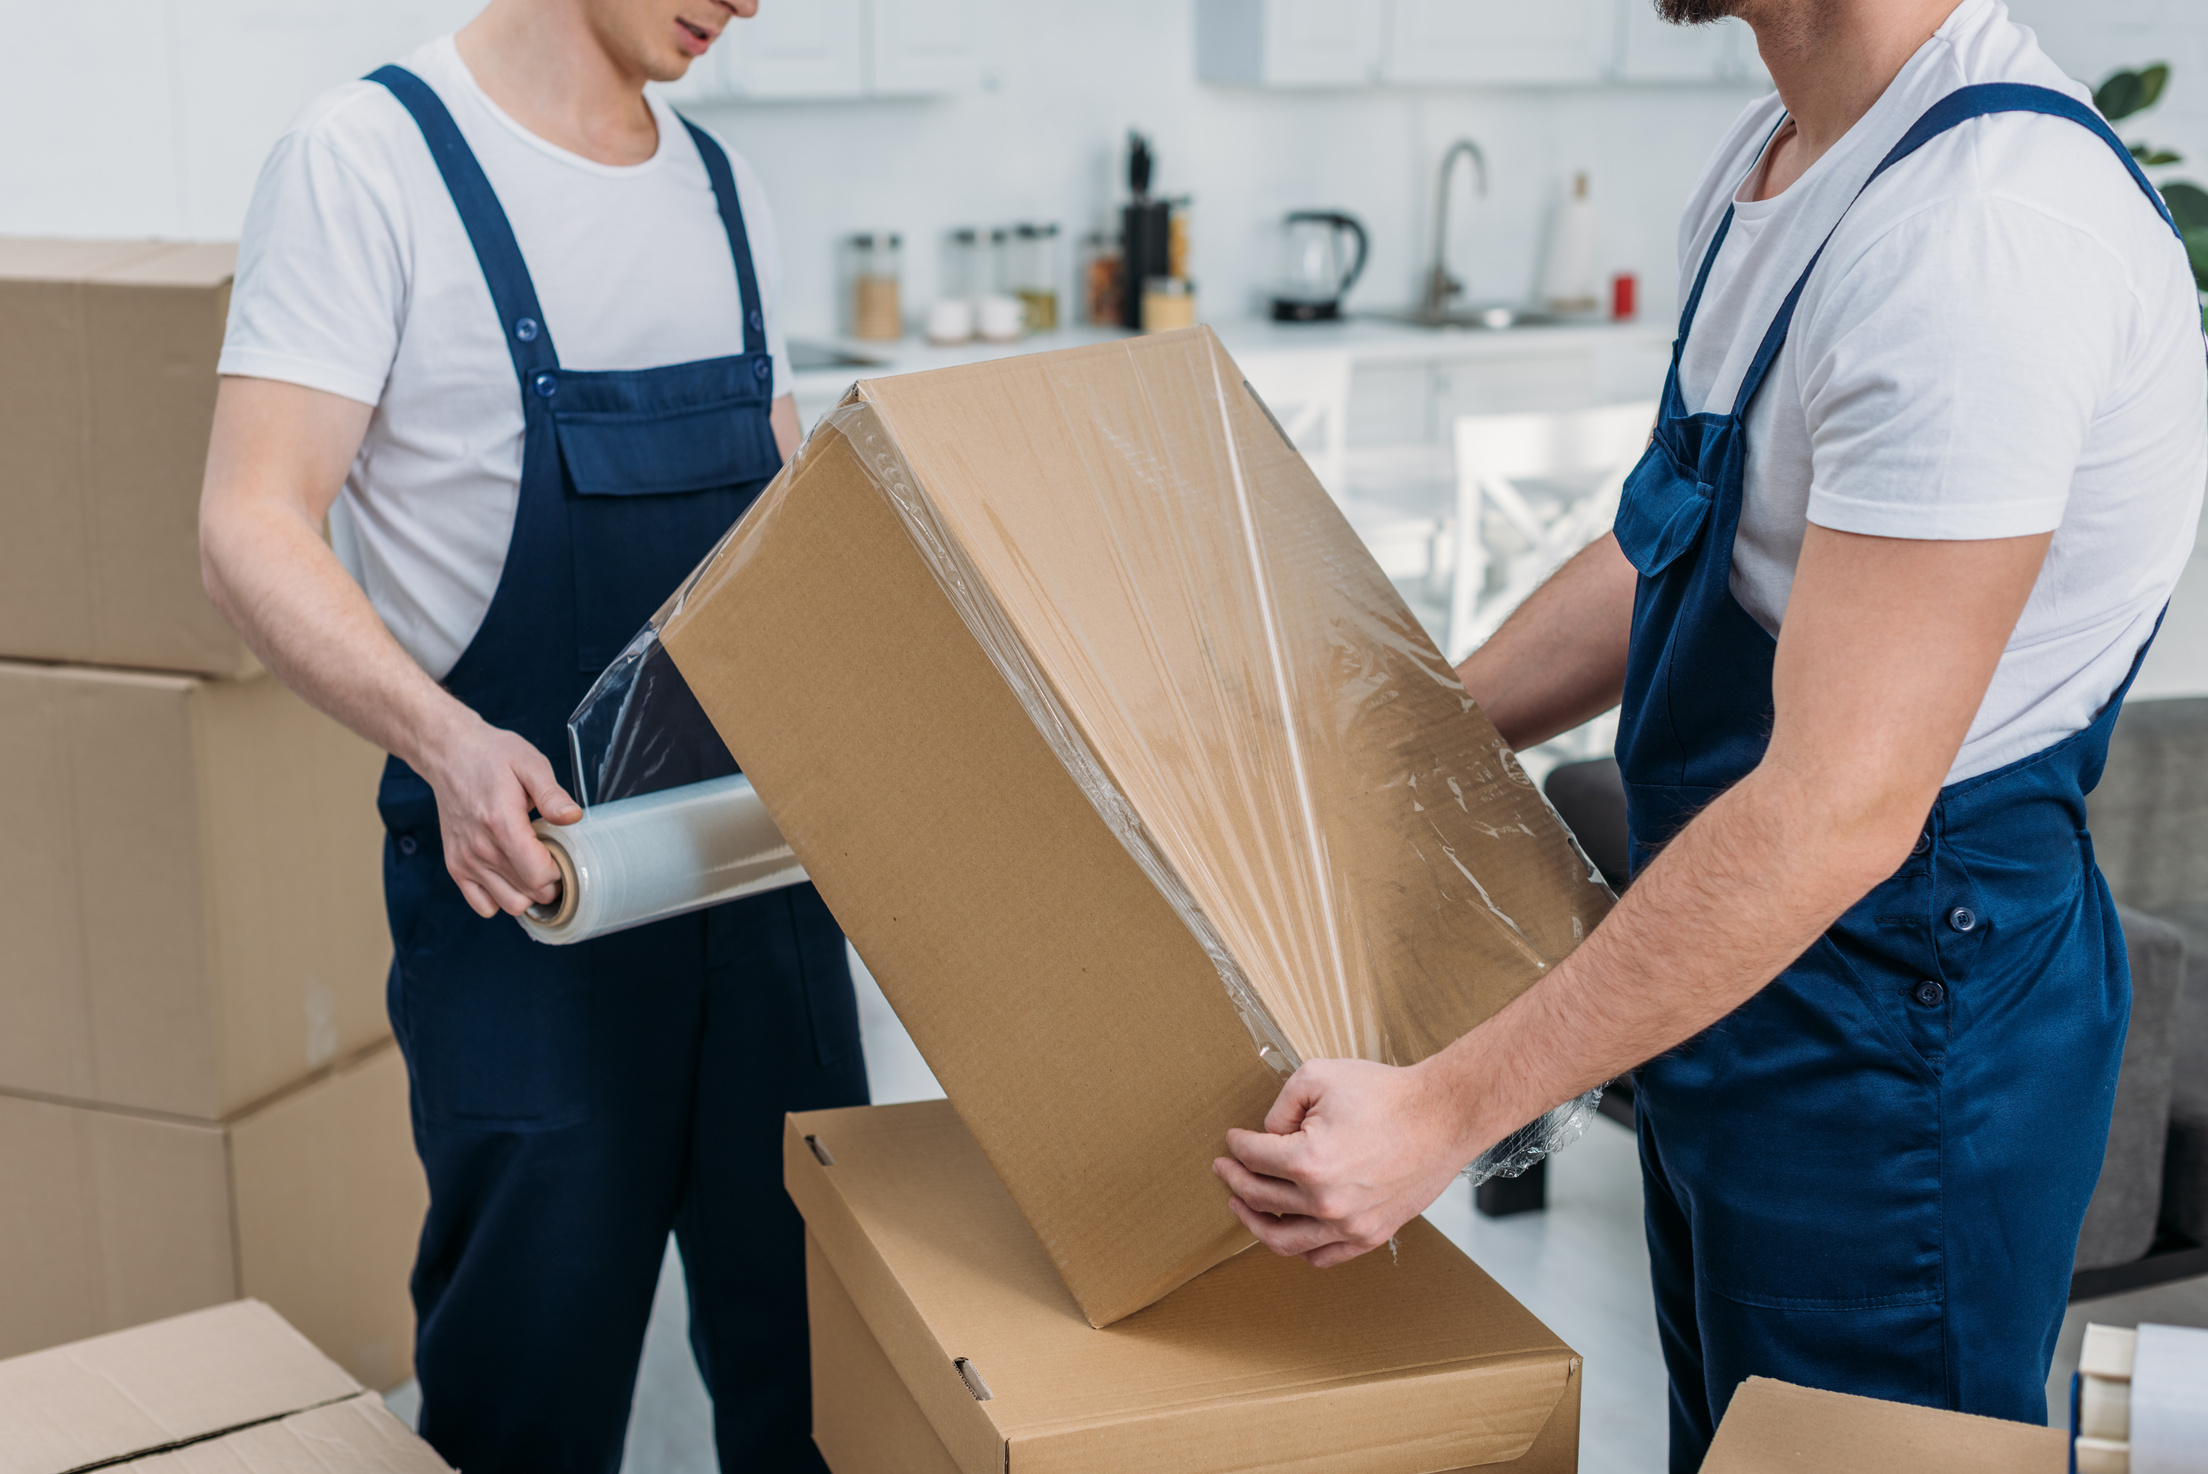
column 1290, row 43
column 830, row 50
column 922, row 46
column 1439, row 42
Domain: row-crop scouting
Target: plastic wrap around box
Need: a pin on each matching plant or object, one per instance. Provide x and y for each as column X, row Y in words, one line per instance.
column 1127, row 771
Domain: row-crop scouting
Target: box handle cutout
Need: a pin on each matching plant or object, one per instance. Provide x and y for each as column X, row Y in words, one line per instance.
column 972, row 1378
column 821, row 1154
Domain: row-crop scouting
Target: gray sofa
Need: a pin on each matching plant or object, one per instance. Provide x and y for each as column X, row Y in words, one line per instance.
column 2150, row 831
column 2149, row 820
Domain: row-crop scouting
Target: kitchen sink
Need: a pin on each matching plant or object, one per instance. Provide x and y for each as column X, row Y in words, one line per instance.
column 1493, row 317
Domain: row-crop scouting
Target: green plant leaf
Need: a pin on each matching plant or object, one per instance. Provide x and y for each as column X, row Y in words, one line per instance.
column 2196, row 248
column 2188, row 205
column 2123, row 94
column 2151, row 82
column 2154, row 158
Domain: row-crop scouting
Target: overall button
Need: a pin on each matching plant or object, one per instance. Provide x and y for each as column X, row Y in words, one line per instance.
column 760, row 367
column 1924, row 842
column 758, row 323
column 525, row 328
column 546, row 385
column 1962, row 918
column 407, row 846
column 1929, row 993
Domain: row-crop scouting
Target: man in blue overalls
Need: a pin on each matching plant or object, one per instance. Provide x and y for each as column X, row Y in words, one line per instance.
column 1929, row 461
column 504, row 515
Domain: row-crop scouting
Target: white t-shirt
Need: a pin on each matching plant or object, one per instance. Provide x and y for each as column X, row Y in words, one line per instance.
column 2002, row 339
column 355, row 276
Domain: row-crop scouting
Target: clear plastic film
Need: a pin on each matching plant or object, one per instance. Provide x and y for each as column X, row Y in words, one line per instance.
column 1236, row 687
column 642, row 859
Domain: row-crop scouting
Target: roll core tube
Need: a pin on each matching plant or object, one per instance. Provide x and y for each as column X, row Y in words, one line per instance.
column 643, row 859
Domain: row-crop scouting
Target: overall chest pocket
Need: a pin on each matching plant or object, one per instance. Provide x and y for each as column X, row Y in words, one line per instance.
column 658, row 464
column 1661, row 512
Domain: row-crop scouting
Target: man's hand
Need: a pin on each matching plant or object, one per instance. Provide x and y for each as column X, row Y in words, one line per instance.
column 487, row 780
column 1351, row 1151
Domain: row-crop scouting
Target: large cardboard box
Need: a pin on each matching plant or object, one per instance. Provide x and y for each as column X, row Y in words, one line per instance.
column 107, row 390
column 191, row 890
column 1777, row 1428
column 1125, row 768
column 313, row 1203
column 944, row 1343
column 231, row 1390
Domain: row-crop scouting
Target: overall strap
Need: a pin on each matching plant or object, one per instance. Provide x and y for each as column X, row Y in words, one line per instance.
column 1959, row 106
column 739, row 239
column 512, row 292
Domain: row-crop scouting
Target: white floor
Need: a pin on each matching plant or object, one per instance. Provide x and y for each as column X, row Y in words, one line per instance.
column 1581, row 1266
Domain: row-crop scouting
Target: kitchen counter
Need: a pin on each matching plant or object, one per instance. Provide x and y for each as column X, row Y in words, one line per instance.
column 1363, row 340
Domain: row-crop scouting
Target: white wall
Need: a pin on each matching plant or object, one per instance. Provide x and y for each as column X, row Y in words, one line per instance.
column 150, row 117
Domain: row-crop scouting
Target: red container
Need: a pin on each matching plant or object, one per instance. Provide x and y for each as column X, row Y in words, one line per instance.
column 1623, row 288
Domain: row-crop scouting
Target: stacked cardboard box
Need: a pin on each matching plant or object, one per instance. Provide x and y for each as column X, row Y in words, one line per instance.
column 1134, row 782
column 198, row 1094
column 232, row 1390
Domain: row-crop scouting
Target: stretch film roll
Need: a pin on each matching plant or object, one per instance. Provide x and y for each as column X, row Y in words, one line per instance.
column 642, row 859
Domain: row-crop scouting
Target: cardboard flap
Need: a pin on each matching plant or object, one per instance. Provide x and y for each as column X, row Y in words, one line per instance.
column 356, row 1436
column 137, row 1391
column 1393, row 1364
column 1772, row 1426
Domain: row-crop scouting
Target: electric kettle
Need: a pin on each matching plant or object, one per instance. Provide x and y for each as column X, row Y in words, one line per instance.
column 1321, row 253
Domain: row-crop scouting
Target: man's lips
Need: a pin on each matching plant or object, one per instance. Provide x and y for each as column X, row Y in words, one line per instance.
column 695, row 38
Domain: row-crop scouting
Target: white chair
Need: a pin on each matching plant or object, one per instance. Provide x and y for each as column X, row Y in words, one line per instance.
column 1532, row 490
column 1308, row 393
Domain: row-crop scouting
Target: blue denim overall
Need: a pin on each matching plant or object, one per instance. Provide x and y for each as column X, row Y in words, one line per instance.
column 1869, row 1177
column 573, row 1104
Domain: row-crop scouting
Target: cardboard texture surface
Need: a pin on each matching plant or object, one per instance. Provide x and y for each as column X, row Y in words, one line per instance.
column 357, row 1436
column 1096, row 726
column 107, row 391
column 311, row 1202
column 130, row 1391
column 1775, row 1426
column 241, row 1391
column 1388, row 1365
column 194, row 903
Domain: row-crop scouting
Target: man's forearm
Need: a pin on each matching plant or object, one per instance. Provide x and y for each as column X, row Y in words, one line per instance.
column 284, row 590
column 275, row 458
column 1559, row 660
column 1675, row 956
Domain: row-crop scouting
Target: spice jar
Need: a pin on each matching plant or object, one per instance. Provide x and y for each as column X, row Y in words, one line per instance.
column 1035, row 275
column 875, row 273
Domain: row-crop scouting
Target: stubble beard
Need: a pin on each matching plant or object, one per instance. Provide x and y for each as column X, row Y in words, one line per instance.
column 1698, row 12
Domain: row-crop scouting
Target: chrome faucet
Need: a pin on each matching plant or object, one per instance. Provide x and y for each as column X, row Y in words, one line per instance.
column 1441, row 287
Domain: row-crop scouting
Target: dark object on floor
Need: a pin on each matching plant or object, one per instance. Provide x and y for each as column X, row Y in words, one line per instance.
column 1590, row 798
column 1499, row 1197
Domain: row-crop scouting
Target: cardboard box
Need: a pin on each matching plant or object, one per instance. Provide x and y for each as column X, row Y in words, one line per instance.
column 313, row 1203
column 107, row 391
column 1199, row 747
column 944, row 1343
column 1773, row 1426
column 191, row 890
column 232, row 1390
